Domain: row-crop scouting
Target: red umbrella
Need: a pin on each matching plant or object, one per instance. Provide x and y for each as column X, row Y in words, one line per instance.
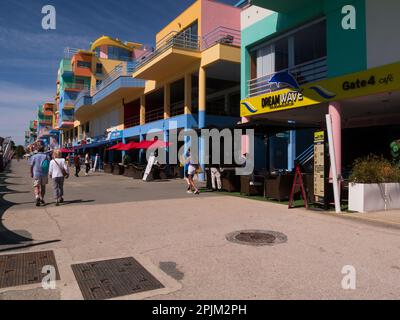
column 129, row 146
column 117, row 146
column 63, row 150
column 147, row 144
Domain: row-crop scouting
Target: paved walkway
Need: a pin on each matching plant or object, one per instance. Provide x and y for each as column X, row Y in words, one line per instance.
column 180, row 239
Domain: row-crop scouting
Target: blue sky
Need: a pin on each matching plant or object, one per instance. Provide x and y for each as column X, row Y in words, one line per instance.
column 29, row 55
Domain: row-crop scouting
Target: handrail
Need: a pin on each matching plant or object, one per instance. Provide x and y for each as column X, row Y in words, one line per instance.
column 177, row 108
column 154, row 114
column 70, row 52
column 222, row 35
column 304, row 73
column 121, row 70
column 173, row 39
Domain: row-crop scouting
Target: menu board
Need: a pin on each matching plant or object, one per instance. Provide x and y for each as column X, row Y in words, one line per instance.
column 319, row 166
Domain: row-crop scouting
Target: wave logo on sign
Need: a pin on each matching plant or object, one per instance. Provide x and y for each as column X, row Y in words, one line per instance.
column 288, row 79
column 249, row 107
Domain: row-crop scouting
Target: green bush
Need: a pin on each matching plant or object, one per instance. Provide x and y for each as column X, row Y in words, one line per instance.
column 374, row 169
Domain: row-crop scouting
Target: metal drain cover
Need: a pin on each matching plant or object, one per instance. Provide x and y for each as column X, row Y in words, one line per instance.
column 257, row 237
column 113, row 278
column 25, row 268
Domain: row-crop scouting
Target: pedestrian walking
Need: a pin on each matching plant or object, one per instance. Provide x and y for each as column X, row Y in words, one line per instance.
column 185, row 171
column 193, row 169
column 77, row 164
column 216, row 178
column 40, row 164
column 58, row 172
column 87, row 163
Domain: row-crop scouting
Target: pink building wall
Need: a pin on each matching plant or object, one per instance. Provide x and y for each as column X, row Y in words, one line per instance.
column 215, row 14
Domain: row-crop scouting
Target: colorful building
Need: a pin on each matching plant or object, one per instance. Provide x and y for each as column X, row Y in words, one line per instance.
column 191, row 79
column 304, row 59
column 90, row 106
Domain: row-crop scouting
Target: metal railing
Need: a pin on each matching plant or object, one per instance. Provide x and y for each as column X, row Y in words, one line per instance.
column 121, row 70
column 70, row 52
column 177, row 109
column 154, row 114
column 75, row 86
column 306, row 155
column 172, row 40
column 222, row 35
column 132, row 121
column 304, row 73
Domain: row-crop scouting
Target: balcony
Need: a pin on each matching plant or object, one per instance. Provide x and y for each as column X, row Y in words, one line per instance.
column 118, row 85
column 154, row 114
column 132, row 121
column 175, row 49
column 74, row 86
column 177, row 109
column 222, row 35
column 304, row 73
column 83, row 99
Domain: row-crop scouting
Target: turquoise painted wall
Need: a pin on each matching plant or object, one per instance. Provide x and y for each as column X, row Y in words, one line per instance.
column 346, row 48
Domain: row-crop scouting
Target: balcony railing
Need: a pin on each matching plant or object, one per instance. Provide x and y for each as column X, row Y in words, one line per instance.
column 172, row 40
column 75, row 86
column 154, row 115
column 222, row 35
column 177, row 109
column 132, row 121
column 304, row 73
column 121, row 70
column 70, row 52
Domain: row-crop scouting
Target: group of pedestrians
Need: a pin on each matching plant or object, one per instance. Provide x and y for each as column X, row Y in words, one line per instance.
column 192, row 168
column 44, row 167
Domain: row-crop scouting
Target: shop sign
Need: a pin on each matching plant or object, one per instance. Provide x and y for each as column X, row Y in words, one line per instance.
column 372, row 81
column 114, row 135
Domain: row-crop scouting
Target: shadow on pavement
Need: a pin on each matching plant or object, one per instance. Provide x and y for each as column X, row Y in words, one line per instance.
column 7, row 237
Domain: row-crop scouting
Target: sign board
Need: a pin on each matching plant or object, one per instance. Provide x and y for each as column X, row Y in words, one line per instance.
column 150, row 163
column 372, row 81
column 321, row 172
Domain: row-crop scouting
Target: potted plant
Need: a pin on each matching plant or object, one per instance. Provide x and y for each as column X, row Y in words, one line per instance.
column 374, row 185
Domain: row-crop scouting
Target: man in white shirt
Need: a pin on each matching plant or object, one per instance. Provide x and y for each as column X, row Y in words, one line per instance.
column 58, row 171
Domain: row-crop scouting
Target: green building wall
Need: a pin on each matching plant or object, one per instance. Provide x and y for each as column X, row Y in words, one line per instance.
column 346, row 49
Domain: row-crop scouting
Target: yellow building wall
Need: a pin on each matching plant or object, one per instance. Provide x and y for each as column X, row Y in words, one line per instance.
column 108, row 66
column 184, row 20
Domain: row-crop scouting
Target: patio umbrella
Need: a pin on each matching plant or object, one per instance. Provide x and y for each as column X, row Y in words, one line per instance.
column 147, row 144
column 117, row 146
column 129, row 146
column 63, row 150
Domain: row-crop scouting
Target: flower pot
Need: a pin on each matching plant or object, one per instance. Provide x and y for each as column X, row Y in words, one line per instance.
column 374, row 197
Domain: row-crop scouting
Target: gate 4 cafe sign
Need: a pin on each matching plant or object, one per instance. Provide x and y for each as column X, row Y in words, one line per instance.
column 372, row 81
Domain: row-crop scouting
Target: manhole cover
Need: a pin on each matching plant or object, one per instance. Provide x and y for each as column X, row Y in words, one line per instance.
column 113, row 278
column 257, row 237
column 25, row 268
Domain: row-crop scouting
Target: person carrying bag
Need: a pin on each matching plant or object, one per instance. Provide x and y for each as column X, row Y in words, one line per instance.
column 58, row 172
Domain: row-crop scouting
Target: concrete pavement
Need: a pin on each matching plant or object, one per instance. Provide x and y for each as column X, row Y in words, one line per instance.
column 181, row 239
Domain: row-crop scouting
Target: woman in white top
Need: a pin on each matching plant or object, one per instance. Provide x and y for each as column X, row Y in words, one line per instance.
column 58, row 171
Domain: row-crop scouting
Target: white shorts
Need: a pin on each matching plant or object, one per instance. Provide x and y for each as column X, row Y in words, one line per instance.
column 42, row 181
column 192, row 170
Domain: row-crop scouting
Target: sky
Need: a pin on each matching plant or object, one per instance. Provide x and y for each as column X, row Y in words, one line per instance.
column 29, row 55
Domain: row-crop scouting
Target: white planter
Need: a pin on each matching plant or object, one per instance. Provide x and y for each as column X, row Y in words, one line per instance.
column 374, row 197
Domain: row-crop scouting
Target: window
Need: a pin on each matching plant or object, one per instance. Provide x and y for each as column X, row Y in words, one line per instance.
column 84, row 64
column 310, row 43
column 98, row 83
column 99, row 68
column 116, row 53
column 298, row 47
